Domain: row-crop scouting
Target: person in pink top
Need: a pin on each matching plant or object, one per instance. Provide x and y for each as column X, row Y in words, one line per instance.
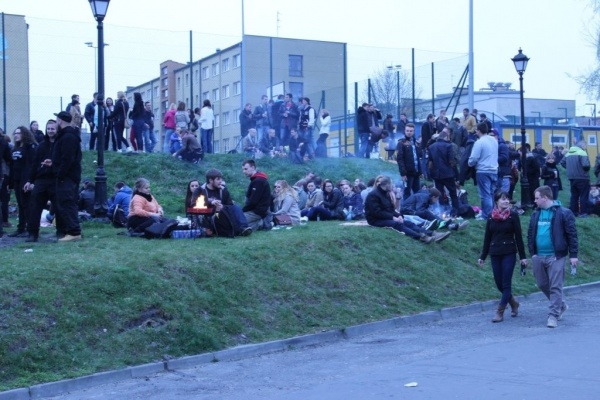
column 169, row 124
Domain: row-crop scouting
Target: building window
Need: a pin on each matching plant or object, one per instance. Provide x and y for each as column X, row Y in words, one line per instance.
column 225, row 92
column 225, row 65
column 148, row 94
column 227, row 118
column 164, row 70
column 205, row 73
column 217, row 120
column 236, row 115
column 592, row 140
column 295, row 65
column 215, row 69
column 196, row 76
column 226, row 145
column 236, row 61
column 165, row 105
column 187, row 80
column 165, row 93
column 179, row 82
column 206, row 95
column 215, row 95
column 216, row 148
column 156, row 91
column 237, row 88
column 297, row 89
column 165, row 82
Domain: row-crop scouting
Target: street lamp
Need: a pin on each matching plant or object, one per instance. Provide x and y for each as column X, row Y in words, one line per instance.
column 91, row 45
column 99, row 9
column 397, row 68
column 594, row 112
column 520, row 61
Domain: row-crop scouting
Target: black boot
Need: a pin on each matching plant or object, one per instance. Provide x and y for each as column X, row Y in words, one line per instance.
column 18, row 233
column 32, row 238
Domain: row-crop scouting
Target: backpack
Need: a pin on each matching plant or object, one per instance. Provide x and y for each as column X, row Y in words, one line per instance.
column 224, row 222
column 119, row 219
column 161, row 230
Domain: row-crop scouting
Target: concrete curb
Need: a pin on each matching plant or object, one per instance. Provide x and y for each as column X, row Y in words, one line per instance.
column 252, row 350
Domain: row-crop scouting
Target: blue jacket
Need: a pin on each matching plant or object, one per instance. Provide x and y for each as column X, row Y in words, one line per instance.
column 122, row 199
column 563, row 232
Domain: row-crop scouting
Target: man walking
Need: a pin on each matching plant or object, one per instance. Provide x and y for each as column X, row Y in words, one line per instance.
column 66, row 164
column 577, row 163
column 258, row 198
column 484, row 157
column 552, row 236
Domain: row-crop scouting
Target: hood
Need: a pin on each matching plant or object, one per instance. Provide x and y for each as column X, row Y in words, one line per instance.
column 576, row 151
column 126, row 189
column 259, row 174
column 556, row 203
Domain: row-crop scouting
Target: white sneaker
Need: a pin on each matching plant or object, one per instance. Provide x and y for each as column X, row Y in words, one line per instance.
column 563, row 310
column 129, row 149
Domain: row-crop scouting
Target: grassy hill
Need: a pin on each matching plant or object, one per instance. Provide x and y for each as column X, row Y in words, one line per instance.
column 110, row 301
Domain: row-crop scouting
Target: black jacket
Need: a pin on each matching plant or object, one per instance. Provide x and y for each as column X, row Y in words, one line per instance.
column 362, row 120
column 119, row 111
column 334, row 202
column 247, row 121
column 563, row 232
column 416, row 202
column 258, row 195
column 442, row 160
column 503, row 237
column 379, row 206
column 5, row 154
column 22, row 163
column 66, row 155
column 42, row 152
column 406, row 159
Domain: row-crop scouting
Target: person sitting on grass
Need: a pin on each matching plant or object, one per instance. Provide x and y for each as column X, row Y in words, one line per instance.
column 353, row 204
column 285, row 201
column 332, row 206
column 380, row 212
column 314, row 196
column 144, row 210
column 121, row 199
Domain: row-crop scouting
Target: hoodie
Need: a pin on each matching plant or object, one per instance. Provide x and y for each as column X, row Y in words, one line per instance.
column 258, row 195
column 122, row 199
column 577, row 163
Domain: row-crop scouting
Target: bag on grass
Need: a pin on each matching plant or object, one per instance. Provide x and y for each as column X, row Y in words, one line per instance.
column 161, row 230
column 119, row 219
column 224, row 222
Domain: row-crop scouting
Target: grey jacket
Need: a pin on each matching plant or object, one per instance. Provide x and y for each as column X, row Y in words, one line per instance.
column 577, row 163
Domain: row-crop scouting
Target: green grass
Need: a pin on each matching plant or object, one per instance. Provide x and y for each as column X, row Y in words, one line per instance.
column 110, row 301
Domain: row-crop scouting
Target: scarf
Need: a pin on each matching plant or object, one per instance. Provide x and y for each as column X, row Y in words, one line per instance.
column 144, row 195
column 498, row 215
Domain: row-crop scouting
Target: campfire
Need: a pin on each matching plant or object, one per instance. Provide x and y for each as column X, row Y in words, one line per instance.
column 200, row 207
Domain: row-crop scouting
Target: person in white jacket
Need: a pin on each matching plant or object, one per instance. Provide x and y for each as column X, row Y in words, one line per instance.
column 207, row 119
column 325, row 123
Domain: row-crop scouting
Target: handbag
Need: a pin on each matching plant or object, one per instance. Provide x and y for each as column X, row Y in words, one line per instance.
column 126, row 121
column 282, row 219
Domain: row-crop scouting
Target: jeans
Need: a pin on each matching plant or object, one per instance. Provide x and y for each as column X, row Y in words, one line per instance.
column 412, row 185
column 284, row 135
column 167, row 139
column 138, row 130
column 408, row 228
column 580, row 192
column 486, row 184
column 309, row 141
column 549, row 273
column 119, row 130
column 503, row 267
column 450, row 184
column 262, row 131
column 149, row 140
column 256, row 222
column 206, row 140
column 364, row 143
column 320, row 213
column 503, row 184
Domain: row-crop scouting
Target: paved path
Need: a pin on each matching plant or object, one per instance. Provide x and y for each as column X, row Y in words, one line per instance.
column 464, row 357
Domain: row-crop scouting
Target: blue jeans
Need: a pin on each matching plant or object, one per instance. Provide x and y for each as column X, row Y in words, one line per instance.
column 486, row 184
column 503, row 267
column 206, row 139
column 320, row 212
column 262, row 131
column 580, row 191
column 310, row 142
column 503, row 184
column 167, row 139
column 138, row 130
column 149, row 140
column 364, row 143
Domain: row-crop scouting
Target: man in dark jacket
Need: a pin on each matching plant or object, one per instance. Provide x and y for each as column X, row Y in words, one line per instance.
column 66, row 164
column 258, row 198
column 408, row 156
column 362, row 124
column 442, row 162
column 289, row 116
column 380, row 212
column 504, row 163
column 88, row 114
column 247, row 120
column 5, row 156
column 552, row 236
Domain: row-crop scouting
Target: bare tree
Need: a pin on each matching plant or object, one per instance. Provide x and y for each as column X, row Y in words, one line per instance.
column 590, row 80
column 384, row 92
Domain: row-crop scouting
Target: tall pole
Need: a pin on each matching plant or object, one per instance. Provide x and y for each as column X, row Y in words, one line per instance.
column 100, row 206
column 192, row 73
column 4, row 76
column 471, row 59
column 432, row 89
column 398, row 93
column 525, row 200
column 414, row 105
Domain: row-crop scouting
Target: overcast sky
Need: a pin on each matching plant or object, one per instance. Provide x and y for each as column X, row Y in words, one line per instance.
column 553, row 33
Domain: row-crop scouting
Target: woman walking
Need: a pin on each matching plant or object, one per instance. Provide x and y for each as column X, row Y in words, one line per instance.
column 503, row 239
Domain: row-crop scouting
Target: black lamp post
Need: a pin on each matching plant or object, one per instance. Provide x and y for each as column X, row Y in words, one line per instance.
column 520, row 61
column 99, row 9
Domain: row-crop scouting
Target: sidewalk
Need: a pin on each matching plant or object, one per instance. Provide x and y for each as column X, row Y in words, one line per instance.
column 452, row 353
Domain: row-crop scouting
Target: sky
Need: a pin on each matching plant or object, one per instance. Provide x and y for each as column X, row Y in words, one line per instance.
column 553, row 33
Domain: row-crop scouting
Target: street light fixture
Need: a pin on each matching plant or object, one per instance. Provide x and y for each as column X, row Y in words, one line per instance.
column 99, row 9
column 397, row 68
column 91, row 45
column 594, row 112
column 520, row 61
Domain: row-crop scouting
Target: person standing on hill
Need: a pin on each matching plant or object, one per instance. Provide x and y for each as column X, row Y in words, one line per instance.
column 258, row 198
column 577, row 163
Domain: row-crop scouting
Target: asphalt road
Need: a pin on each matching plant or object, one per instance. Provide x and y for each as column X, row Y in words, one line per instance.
column 464, row 357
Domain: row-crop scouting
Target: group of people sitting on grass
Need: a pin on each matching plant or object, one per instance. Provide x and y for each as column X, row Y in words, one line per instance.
column 309, row 199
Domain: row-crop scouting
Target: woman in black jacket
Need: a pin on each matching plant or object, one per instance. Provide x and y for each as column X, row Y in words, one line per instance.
column 503, row 238
column 22, row 162
column 332, row 206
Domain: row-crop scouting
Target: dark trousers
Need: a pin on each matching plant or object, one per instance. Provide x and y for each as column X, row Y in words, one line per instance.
column 580, row 191
column 23, row 199
column 44, row 190
column 67, row 219
column 503, row 267
column 412, row 185
column 139, row 224
column 4, row 198
column 450, row 184
column 324, row 214
column 1, row 207
column 110, row 135
column 93, row 137
column 119, row 129
column 408, row 228
column 138, row 130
